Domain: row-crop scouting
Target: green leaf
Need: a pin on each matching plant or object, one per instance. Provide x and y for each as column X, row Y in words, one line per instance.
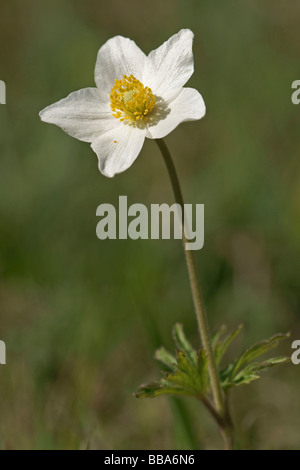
column 184, row 379
column 274, row 361
column 182, row 343
column 257, row 350
column 165, row 357
column 243, row 379
column 222, row 345
column 188, row 368
column 187, row 373
column 215, row 338
column 260, row 366
column 181, row 380
column 250, row 373
column 226, row 376
column 156, row 389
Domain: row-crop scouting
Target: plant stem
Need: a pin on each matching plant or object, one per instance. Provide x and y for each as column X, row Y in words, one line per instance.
column 218, row 396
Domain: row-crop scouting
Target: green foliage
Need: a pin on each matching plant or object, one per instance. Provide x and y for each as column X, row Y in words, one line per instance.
column 187, row 373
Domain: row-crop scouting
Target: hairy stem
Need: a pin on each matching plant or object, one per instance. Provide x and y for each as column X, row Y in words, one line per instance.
column 218, row 396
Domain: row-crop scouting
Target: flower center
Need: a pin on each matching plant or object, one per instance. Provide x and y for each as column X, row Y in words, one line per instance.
column 130, row 100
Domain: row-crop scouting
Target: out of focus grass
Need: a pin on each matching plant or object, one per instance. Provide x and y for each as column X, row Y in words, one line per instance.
column 80, row 317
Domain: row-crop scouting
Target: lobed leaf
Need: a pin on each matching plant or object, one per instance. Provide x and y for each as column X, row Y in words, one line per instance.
column 187, row 373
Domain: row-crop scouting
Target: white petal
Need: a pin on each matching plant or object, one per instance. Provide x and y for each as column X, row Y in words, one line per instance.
column 82, row 115
column 118, row 149
column 171, row 65
column 117, row 57
column 187, row 106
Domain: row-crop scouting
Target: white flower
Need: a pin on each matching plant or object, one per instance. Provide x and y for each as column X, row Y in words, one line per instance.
column 137, row 96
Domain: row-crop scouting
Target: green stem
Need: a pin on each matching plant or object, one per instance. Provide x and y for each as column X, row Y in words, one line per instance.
column 218, row 396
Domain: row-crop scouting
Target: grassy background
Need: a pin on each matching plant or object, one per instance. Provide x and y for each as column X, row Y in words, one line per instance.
column 80, row 317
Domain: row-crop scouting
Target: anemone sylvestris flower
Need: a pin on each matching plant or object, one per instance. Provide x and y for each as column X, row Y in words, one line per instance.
column 136, row 96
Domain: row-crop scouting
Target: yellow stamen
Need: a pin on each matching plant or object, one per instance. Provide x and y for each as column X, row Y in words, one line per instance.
column 130, row 100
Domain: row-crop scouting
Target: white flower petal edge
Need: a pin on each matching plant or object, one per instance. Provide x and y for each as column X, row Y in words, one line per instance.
column 187, row 106
column 82, row 115
column 171, row 65
column 117, row 57
column 118, row 149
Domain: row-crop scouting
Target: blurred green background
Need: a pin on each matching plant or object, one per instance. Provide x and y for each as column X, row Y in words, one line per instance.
column 81, row 317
